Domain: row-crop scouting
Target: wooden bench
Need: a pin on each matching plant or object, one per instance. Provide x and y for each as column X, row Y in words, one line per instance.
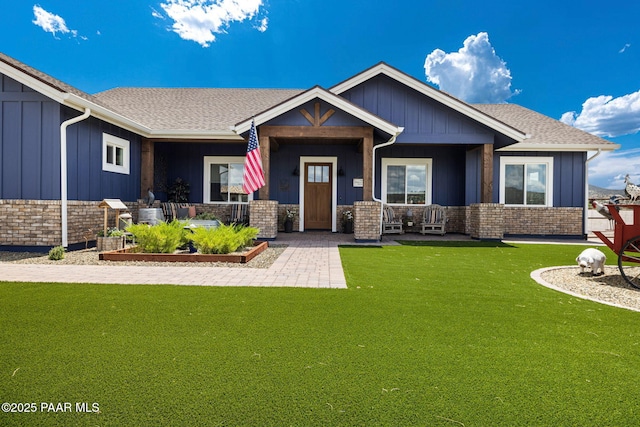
column 434, row 219
column 391, row 224
column 239, row 214
column 172, row 210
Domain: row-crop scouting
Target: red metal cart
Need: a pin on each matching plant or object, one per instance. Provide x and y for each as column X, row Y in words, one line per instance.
column 626, row 242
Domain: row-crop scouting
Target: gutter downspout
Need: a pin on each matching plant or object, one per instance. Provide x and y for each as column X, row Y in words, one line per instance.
column 373, row 172
column 63, row 171
column 586, row 192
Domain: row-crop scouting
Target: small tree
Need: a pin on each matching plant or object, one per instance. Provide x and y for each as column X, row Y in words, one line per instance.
column 179, row 191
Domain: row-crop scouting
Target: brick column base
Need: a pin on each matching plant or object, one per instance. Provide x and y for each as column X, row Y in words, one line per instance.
column 486, row 221
column 263, row 214
column 366, row 221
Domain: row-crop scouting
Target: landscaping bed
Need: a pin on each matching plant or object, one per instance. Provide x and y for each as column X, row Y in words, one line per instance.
column 130, row 254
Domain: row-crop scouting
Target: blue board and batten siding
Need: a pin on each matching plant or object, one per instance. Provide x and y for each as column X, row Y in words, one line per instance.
column 29, row 143
column 456, row 175
column 185, row 161
column 30, row 150
column 568, row 176
column 86, row 179
column 425, row 121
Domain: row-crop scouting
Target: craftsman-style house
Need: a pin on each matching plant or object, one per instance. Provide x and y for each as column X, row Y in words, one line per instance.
column 379, row 138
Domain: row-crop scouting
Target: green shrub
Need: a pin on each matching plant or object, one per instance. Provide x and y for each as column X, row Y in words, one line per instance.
column 164, row 237
column 247, row 234
column 56, row 253
column 222, row 240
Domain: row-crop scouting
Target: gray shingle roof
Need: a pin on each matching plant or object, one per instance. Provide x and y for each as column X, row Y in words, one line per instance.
column 192, row 109
column 543, row 129
column 47, row 79
column 216, row 110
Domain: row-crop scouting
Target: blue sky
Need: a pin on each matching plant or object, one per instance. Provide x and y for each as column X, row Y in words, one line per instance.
column 575, row 61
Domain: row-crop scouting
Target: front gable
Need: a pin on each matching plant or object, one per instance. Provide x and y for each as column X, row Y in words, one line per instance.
column 289, row 113
column 449, row 115
column 425, row 120
column 305, row 115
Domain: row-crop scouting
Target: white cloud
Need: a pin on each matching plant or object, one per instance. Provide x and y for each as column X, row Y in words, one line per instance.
column 609, row 168
column 200, row 20
column 156, row 14
column 605, row 115
column 626, row 46
column 262, row 27
column 49, row 22
column 52, row 23
column 474, row 73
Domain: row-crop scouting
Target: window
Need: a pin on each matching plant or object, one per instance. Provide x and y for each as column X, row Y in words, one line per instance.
column 526, row 181
column 406, row 181
column 223, row 180
column 115, row 154
column 318, row 173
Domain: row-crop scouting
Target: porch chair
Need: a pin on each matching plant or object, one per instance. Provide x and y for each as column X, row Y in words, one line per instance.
column 239, row 214
column 173, row 210
column 391, row 224
column 434, row 220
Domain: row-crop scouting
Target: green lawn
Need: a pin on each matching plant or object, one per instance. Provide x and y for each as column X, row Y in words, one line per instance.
column 441, row 335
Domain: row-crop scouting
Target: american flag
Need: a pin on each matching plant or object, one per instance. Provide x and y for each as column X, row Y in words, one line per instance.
column 253, row 177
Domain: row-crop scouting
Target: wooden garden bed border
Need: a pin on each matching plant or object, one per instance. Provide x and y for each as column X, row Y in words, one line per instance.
column 127, row 255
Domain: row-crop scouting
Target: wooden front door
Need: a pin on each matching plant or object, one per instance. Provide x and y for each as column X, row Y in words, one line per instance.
column 317, row 196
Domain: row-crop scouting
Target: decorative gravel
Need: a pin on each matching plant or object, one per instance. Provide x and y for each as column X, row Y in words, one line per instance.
column 608, row 288
column 90, row 257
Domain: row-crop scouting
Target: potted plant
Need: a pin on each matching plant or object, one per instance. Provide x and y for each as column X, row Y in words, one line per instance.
column 347, row 221
column 111, row 241
column 288, row 221
column 179, row 191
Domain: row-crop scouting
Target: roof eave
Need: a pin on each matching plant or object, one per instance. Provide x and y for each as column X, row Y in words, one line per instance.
column 34, row 83
column 114, row 118
column 525, row 146
column 100, row 112
column 195, row 135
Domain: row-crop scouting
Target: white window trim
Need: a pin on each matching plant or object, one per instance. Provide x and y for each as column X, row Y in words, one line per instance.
column 522, row 160
column 399, row 161
column 208, row 160
column 113, row 141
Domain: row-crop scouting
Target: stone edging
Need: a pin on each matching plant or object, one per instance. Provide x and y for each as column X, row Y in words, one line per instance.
column 537, row 276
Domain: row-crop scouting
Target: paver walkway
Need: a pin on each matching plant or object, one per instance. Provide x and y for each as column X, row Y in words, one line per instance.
column 311, row 260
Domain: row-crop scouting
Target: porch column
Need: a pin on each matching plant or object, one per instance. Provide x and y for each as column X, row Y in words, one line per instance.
column 367, row 166
column 486, row 181
column 265, row 150
column 146, row 167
